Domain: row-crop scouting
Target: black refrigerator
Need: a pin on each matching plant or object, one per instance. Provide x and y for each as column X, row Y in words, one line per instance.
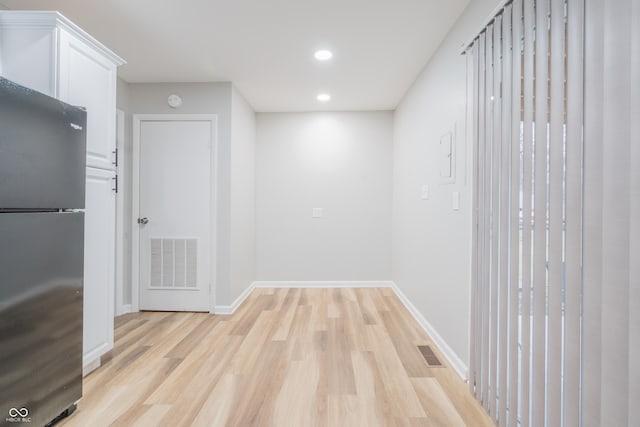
column 42, row 195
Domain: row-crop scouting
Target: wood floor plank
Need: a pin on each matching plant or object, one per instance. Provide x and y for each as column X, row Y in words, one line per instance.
column 394, row 377
column 193, row 338
column 409, row 354
column 152, row 416
column 141, row 366
column 300, row 333
column 296, row 401
column 354, row 321
column 200, row 386
column 367, row 307
column 288, row 311
column 340, row 368
column 219, row 405
column 279, row 296
column 436, row 403
column 247, row 313
column 254, row 388
column 287, row 357
column 322, row 311
column 178, row 380
column 374, row 399
column 138, row 409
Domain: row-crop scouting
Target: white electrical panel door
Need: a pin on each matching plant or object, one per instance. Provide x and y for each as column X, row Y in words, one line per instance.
column 445, row 156
column 175, row 215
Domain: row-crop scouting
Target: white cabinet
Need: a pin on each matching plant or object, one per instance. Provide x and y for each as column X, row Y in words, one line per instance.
column 99, row 265
column 48, row 53
column 88, row 78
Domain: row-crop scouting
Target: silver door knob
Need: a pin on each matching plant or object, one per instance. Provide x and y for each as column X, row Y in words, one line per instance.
column 143, row 221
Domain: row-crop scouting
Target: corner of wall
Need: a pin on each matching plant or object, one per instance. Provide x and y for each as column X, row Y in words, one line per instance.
column 125, row 172
column 431, row 238
column 453, row 359
column 242, row 262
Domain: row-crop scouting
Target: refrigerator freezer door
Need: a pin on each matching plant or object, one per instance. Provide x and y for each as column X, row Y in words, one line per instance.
column 41, row 278
column 42, row 151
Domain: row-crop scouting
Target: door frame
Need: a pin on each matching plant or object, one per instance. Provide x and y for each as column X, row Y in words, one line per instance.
column 135, row 234
column 121, row 234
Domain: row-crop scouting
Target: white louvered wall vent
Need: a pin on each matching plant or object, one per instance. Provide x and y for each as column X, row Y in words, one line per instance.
column 173, row 263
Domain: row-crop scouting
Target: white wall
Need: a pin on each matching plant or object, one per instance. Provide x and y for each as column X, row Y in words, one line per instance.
column 243, row 220
column 431, row 241
column 124, row 177
column 340, row 162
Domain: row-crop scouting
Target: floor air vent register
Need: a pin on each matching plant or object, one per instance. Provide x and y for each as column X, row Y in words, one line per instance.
column 429, row 356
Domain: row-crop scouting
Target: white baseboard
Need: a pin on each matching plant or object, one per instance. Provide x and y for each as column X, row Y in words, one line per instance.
column 230, row 309
column 324, row 284
column 452, row 358
column 124, row 309
column 90, row 366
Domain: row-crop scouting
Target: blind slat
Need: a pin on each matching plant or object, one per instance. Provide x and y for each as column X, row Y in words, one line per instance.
column 495, row 212
column 480, row 225
column 556, row 205
column 514, row 237
column 615, row 205
column 474, row 326
column 540, row 216
column 481, row 215
column 592, row 216
column 634, row 234
column 486, row 215
column 573, row 257
column 527, row 171
column 505, row 114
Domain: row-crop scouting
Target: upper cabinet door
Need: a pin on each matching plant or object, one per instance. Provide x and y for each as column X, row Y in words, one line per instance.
column 87, row 79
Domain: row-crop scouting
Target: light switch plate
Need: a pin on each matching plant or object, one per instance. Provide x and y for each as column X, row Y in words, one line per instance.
column 425, row 192
column 316, row 213
column 456, row 200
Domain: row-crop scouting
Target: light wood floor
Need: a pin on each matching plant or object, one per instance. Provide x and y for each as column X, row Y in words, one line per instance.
column 287, row 357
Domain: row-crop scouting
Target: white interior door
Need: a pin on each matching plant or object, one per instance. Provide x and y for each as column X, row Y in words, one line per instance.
column 175, row 215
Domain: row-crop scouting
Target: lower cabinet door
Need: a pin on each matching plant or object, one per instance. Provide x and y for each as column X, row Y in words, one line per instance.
column 99, row 265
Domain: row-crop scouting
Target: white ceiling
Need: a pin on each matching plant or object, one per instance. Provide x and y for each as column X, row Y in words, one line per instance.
column 265, row 47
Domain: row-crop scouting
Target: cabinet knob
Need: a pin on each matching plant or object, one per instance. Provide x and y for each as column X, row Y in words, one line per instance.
column 143, row 221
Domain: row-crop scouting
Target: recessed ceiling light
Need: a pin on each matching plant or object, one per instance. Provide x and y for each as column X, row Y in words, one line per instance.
column 323, row 97
column 323, row 55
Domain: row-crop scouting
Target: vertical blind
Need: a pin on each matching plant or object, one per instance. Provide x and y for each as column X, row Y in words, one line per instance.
column 611, row 378
column 556, row 269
